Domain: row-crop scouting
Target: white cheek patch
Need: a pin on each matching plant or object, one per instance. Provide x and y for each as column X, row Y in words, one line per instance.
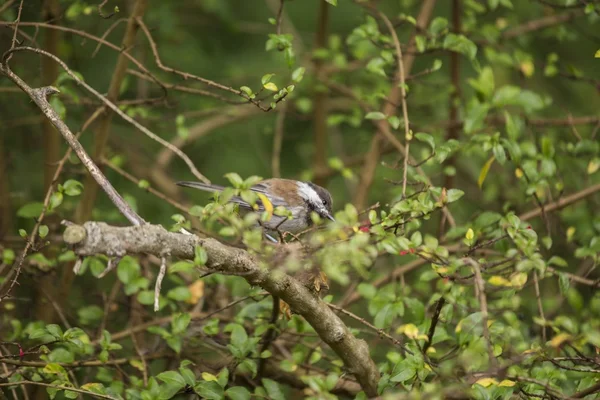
column 309, row 194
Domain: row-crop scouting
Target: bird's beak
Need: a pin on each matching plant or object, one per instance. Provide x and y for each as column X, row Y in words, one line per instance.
column 330, row 217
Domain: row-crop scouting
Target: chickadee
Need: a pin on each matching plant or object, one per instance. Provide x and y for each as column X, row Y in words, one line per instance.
column 300, row 198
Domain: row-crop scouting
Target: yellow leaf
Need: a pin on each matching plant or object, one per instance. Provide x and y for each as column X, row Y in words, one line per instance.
column 470, row 234
column 559, row 339
column 266, row 204
column 501, row 23
column 597, row 55
column 93, row 387
column 519, row 173
column 458, row 326
column 207, row 376
column 497, row 280
column 431, row 350
column 271, row 86
column 527, row 68
column 486, row 382
column 137, row 364
column 197, row 291
column 410, row 330
column 507, row 383
column 519, row 279
column 570, row 233
column 593, row 166
column 484, row 171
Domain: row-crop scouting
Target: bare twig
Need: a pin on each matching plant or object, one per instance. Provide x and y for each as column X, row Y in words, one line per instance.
column 14, row 41
column 434, row 320
column 101, row 13
column 480, row 286
column 561, row 203
column 59, row 387
column 158, row 284
column 407, row 133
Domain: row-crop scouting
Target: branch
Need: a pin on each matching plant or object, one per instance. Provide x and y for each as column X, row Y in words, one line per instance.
column 94, row 238
column 39, row 97
column 561, row 203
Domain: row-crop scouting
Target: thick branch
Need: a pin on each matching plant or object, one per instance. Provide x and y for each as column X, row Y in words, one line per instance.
column 99, row 238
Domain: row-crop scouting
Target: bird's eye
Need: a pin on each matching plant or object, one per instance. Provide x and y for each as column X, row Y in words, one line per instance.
column 324, row 202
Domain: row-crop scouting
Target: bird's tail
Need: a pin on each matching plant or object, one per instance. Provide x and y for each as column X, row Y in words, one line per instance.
column 201, row 186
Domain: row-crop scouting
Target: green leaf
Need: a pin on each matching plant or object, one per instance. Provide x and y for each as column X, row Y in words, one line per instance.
column 438, row 25
column 43, row 231
column 266, row 78
column 235, row 180
column 172, row 377
column 55, row 330
column 332, row 2
column 239, row 337
column 376, row 115
column 180, row 322
column 180, row 293
column 55, row 200
column 200, row 255
column 146, row 297
column 61, row 355
column 454, row 194
column 460, row 44
column 209, row 390
column 273, row 389
column 427, row 138
column 298, row 74
column 30, row 210
column 8, row 256
column 238, row 393
column 499, row 153
column 72, row 187
column 128, row 270
column 181, row 266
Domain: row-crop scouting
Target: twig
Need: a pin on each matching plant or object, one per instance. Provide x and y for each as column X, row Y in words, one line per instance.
column 6, row 5
column 539, row 303
column 155, row 192
column 59, row 387
column 434, row 320
column 480, row 286
column 107, row 32
column 270, row 334
column 363, row 321
column 407, row 134
column 159, row 279
column 561, row 203
column 123, row 115
column 14, row 42
column 208, row 82
column 102, row 13
column 279, row 15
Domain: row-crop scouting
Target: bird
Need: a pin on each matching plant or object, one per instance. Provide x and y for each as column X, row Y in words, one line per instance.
column 298, row 197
